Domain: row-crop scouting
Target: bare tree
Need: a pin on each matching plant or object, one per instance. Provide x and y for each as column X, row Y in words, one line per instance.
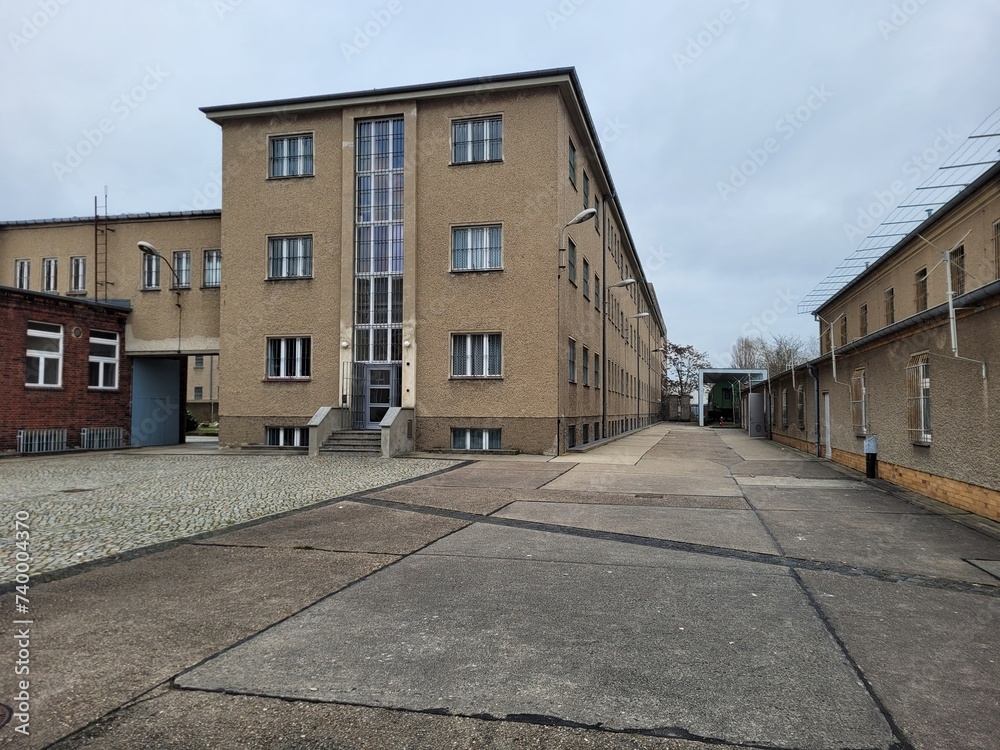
column 777, row 354
column 680, row 369
column 746, row 354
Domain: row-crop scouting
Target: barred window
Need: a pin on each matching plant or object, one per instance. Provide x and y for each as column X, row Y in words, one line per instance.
column 289, row 257
column 918, row 399
column 958, row 270
column 292, row 437
column 475, row 439
column 859, row 402
column 586, row 191
column 213, row 268
column 22, row 274
column 920, row 290
column 800, row 407
column 598, row 291
column 289, row 358
column 571, row 260
column 586, row 279
column 476, row 248
column 43, row 362
column 784, row 407
column 597, row 372
column 103, row 364
column 78, row 273
column 571, row 361
column 572, row 163
column 182, row 269
column 150, row 271
column 476, row 355
column 843, row 330
column 291, row 156
column 477, row 140
column 890, row 306
column 863, row 320
column 50, row 274
column 586, row 367
column 199, row 393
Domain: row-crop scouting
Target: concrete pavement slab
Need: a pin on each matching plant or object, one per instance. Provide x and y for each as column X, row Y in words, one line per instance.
column 481, row 500
column 749, row 448
column 932, row 656
column 184, row 720
column 795, row 482
column 104, row 636
column 741, row 659
column 990, row 566
column 513, row 475
column 787, row 468
column 919, row 544
column 649, row 499
column 730, row 529
column 660, row 467
column 345, row 527
column 866, row 500
column 630, row 482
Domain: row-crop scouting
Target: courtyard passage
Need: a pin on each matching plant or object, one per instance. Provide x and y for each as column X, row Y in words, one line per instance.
column 679, row 588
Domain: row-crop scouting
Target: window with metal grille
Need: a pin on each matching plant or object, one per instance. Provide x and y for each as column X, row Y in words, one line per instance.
column 476, row 355
column 571, row 361
column 572, row 163
column 182, row 269
column 863, row 320
column 586, row 279
column 150, row 271
column 586, row 191
column 571, row 261
column 291, row 156
column 50, row 274
column 476, row 248
column 477, row 140
column 289, row 437
column 475, row 439
column 918, row 398
column 289, row 257
column 22, row 274
column 199, row 393
column 800, row 407
column 78, row 273
column 784, row 407
column 889, row 300
column 103, row 363
column 597, row 371
column 212, row 269
column 598, row 291
column 43, row 361
column 199, row 361
column 958, row 270
column 586, row 366
column 843, row 330
column 289, row 358
column 859, row 402
column 597, row 214
column 920, row 290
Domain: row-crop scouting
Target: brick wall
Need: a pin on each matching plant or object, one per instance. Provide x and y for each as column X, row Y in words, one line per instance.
column 73, row 405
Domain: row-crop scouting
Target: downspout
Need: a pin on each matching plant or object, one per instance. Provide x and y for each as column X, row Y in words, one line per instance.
column 812, row 374
column 604, row 321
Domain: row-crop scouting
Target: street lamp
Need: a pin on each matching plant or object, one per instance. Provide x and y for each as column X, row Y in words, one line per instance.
column 604, row 352
column 585, row 215
column 637, row 400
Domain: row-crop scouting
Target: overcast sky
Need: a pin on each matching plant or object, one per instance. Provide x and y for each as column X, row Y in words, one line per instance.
column 745, row 137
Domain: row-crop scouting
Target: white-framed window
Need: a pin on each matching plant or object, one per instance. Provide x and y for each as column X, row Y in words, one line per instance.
column 150, row 271
column 475, row 439
column 477, row 140
column 476, row 248
column 22, row 273
column 199, row 393
column 571, row 361
column 212, row 276
column 476, row 355
column 289, row 358
column 289, row 257
column 182, row 269
column 571, row 261
column 43, row 362
column 294, row 437
column 78, row 273
column 291, row 156
column 572, row 163
column 50, row 274
column 918, row 398
column 859, row 402
column 103, row 365
column 585, row 360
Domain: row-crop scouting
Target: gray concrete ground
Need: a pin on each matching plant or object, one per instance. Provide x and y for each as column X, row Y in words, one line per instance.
column 680, row 588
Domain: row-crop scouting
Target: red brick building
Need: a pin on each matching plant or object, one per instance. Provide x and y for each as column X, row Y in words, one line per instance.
column 65, row 381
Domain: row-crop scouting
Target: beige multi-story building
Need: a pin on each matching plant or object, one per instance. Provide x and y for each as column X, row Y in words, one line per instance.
column 898, row 365
column 203, row 387
column 448, row 264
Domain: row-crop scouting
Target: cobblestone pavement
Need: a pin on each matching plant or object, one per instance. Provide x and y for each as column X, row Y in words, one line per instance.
column 85, row 507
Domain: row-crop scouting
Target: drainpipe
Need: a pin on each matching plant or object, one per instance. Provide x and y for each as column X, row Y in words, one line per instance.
column 812, row 374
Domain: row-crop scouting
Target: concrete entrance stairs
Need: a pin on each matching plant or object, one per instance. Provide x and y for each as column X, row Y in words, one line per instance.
column 358, row 442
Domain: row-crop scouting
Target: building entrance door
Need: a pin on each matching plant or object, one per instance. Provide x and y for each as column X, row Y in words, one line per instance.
column 378, row 394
